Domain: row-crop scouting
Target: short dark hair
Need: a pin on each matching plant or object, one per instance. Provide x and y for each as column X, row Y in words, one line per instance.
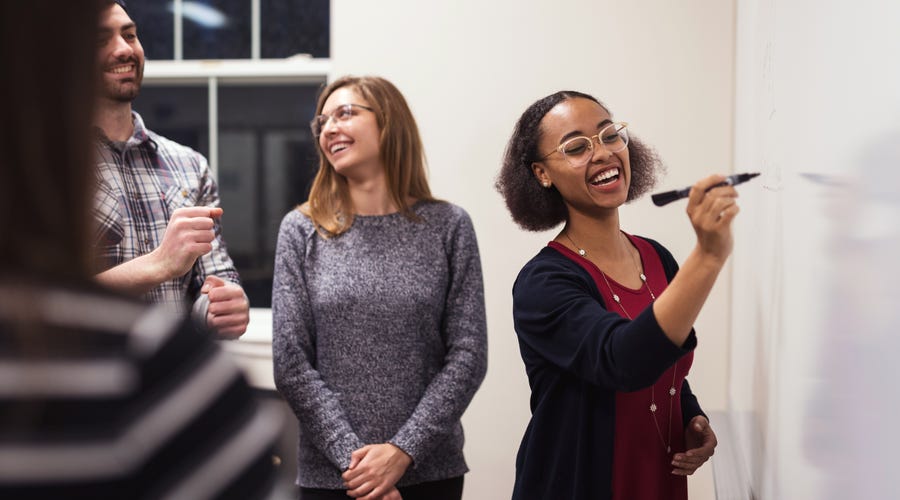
column 536, row 208
column 120, row 2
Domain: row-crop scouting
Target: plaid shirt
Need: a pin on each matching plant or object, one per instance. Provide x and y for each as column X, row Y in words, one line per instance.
column 140, row 183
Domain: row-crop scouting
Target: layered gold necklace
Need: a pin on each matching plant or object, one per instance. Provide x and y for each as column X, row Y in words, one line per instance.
column 666, row 443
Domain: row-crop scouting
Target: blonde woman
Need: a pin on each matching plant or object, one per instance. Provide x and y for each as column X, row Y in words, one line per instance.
column 378, row 304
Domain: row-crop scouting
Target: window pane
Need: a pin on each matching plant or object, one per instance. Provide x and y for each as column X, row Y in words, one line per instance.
column 155, row 23
column 294, row 27
column 267, row 159
column 216, row 29
column 178, row 112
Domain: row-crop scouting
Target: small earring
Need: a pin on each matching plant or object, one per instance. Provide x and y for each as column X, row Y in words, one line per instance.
column 545, row 184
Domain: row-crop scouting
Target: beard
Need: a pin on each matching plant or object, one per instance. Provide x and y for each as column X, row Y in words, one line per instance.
column 123, row 90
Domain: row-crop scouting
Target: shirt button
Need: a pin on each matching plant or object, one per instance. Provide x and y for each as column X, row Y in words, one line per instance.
column 184, row 192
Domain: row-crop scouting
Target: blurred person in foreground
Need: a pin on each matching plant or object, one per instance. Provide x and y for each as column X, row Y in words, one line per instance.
column 157, row 203
column 100, row 396
column 856, row 351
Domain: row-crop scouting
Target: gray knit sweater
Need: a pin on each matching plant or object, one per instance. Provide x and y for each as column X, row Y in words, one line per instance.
column 379, row 336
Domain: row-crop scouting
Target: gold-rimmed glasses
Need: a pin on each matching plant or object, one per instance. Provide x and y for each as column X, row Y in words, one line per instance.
column 579, row 150
column 341, row 114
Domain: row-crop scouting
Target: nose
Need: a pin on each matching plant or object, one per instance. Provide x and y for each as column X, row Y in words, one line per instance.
column 122, row 49
column 599, row 151
column 330, row 126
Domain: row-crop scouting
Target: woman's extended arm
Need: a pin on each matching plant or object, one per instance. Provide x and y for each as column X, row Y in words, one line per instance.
column 711, row 213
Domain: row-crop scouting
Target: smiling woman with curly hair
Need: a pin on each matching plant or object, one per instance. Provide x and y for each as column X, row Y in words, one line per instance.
column 604, row 324
column 537, row 209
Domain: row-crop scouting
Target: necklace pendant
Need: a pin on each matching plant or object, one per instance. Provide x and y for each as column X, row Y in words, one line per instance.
column 581, row 252
column 643, row 278
column 653, row 407
column 616, row 298
column 671, row 391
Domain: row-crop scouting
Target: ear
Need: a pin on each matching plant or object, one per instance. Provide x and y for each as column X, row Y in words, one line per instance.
column 541, row 174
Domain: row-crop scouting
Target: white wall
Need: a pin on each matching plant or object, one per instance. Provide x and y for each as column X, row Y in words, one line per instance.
column 813, row 390
column 469, row 68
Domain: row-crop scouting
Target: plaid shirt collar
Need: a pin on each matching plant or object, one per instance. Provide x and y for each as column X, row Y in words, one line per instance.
column 138, row 137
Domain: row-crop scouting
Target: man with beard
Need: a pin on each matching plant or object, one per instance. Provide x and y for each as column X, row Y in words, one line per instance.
column 157, row 204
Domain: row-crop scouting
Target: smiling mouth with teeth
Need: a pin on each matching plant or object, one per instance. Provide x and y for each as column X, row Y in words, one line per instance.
column 605, row 177
column 338, row 148
column 122, row 69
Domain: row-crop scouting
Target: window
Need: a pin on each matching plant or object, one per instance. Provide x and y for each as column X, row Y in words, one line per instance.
column 248, row 115
column 266, row 159
column 232, row 29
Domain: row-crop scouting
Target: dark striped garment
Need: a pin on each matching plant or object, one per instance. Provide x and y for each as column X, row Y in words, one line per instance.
column 102, row 397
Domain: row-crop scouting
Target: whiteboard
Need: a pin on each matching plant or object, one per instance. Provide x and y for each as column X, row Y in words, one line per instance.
column 813, row 402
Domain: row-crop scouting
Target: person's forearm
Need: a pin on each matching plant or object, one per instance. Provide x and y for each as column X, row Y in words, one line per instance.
column 677, row 308
column 137, row 276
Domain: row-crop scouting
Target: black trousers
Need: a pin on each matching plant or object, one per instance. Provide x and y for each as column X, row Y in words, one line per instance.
column 445, row 489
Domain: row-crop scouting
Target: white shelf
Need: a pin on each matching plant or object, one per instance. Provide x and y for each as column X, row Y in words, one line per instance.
column 253, row 351
column 299, row 68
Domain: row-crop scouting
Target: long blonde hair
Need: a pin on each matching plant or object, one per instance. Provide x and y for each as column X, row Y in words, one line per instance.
column 400, row 150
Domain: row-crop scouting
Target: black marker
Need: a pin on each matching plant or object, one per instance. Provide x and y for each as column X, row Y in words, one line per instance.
column 660, row 199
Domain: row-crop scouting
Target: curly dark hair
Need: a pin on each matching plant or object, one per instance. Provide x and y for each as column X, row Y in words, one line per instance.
column 536, row 208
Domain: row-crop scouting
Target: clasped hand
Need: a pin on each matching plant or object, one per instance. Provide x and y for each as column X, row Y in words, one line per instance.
column 700, row 441
column 188, row 236
column 374, row 470
column 228, row 313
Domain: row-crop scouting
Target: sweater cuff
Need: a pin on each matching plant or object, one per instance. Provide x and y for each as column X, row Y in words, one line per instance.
column 690, row 343
column 408, row 447
column 342, row 448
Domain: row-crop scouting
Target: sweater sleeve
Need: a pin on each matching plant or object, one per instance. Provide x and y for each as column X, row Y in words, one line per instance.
column 562, row 320
column 321, row 416
column 464, row 332
column 690, row 408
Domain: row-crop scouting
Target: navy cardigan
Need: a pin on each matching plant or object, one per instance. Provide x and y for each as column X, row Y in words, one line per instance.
column 578, row 355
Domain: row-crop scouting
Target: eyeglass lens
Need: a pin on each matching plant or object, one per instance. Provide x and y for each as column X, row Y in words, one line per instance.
column 341, row 114
column 613, row 138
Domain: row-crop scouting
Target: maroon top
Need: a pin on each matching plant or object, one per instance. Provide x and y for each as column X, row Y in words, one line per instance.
column 642, row 468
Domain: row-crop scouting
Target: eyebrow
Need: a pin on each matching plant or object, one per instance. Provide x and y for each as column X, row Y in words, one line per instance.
column 104, row 30
column 339, row 106
column 577, row 133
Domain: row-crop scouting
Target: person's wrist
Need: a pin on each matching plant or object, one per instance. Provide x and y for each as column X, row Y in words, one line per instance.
column 403, row 456
column 156, row 267
column 710, row 260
